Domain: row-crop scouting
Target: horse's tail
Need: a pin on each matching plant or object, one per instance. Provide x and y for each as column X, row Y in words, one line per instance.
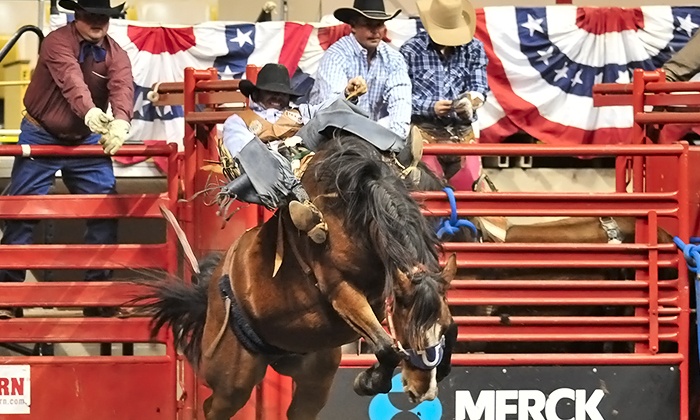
column 183, row 308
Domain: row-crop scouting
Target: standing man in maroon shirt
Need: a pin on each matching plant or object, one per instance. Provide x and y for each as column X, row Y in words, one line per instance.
column 81, row 71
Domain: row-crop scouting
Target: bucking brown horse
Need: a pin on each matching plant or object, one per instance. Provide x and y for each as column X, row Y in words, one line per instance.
column 277, row 299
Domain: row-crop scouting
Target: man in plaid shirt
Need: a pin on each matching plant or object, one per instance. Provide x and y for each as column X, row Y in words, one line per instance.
column 447, row 67
column 363, row 54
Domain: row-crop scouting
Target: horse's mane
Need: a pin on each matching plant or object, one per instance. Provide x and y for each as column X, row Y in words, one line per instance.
column 377, row 205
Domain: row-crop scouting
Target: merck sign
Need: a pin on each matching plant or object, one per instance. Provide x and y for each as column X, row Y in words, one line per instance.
column 607, row 392
column 531, row 404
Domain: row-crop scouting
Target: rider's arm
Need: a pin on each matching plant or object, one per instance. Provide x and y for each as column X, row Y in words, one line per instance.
column 398, row 97
column 308, row 111
column 330, row 79
column 236, row 134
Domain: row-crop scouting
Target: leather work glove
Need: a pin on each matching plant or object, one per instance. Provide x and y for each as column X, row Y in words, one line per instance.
column 97, row 120
column 356, row 87
column 114, row 139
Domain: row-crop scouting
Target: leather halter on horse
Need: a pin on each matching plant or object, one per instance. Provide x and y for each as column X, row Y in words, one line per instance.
column 612, row 230
column 427, row 359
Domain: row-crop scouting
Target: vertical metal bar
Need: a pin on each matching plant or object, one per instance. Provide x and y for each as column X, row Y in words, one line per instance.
column 173, row 177
column 284, row 10
column 193, row 157
column 637, row 132
column 653, row 277
column 683, row 285
column 637, row 174
column 622, row 172
column 641, row 236
column 186, row 216
column 189, row 146
column 41, row 15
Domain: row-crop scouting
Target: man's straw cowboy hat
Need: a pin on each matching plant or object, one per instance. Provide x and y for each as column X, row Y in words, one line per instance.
column 448, row 22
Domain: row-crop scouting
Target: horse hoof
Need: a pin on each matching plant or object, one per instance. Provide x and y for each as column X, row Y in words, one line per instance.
column 367, row 384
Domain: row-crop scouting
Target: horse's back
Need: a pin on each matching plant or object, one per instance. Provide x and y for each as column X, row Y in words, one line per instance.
column 286, row 308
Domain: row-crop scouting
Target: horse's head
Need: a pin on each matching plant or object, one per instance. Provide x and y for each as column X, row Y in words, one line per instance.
column 423, row 328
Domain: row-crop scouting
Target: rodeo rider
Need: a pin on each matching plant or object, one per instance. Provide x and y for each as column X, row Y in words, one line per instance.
column 80, row 71
column 253, row 137
column 260, row 139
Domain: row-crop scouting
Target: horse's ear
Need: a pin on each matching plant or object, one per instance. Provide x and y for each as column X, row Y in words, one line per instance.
column 450, row 270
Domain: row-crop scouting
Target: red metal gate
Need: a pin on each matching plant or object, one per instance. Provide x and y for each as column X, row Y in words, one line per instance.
column 109, row 387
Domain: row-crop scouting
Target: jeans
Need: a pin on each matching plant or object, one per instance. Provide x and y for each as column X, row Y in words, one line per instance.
column 35, row 176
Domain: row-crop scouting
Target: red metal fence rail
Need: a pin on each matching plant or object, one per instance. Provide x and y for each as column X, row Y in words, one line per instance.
column 650, row 89
column 87, row 387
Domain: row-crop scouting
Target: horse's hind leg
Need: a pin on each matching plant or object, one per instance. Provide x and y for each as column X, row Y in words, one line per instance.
column 313, row 376
column 230, row 392
column 231, row 374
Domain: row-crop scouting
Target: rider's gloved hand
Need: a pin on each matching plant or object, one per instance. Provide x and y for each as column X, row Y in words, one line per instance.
column 97, row 120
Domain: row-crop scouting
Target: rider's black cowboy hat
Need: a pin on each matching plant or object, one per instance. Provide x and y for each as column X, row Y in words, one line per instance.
column 96, row 7
column 369, row 9
column 273, row 78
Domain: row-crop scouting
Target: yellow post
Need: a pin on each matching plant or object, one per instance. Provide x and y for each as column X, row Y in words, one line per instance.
column 17, row 71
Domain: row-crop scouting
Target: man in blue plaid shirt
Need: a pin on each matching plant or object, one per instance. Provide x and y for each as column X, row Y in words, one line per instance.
column 447, row 67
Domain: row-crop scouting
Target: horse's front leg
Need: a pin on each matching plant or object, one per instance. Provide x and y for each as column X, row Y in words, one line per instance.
column 354, row 308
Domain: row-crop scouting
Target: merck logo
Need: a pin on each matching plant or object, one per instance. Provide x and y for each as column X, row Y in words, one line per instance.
column 382, row 408
column 527, row 404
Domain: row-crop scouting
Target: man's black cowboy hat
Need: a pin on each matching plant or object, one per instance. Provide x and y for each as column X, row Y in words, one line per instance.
column 272, row 77
column 369, row 9
column 97, row 7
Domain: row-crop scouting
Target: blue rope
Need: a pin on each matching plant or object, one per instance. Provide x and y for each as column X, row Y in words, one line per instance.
column 691, row 252
column 692, row 259
column 452, row 225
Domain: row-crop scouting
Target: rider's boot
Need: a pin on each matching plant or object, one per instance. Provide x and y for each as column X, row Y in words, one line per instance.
column 268, row 179
column 412, row 152
column 306, row 216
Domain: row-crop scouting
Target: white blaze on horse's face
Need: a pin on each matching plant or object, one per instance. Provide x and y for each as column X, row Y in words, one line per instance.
column 422, row 319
